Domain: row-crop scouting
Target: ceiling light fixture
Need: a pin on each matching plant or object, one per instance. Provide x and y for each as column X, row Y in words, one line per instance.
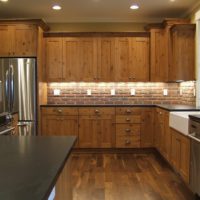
column 56, row 7
column 134, row 7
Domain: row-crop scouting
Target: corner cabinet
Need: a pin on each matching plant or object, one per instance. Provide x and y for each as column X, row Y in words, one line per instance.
column 18, row 40
column 183, row 52
column 97, row 58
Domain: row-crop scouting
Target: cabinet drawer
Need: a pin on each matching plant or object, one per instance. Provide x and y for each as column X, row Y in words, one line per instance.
column 128, row 119
column 127, row 129
column 127, row 141
column 128, row 111
column 96, row 111
column 60, row 111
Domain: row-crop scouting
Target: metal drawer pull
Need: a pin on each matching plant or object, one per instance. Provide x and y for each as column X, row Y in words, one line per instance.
column 59, row 111
column 128, row 111
column 128, row 130
column 127, row 141
column 96, row 111
column 127, row 119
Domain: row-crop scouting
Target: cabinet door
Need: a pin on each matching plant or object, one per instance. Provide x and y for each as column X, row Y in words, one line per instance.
column 185, row 158
column 147, row 128
column 72, row 59
column 25, row 40
column 6, row 40
column 183, row 53
column 159, row 45
column 140, row 59
column 54, row 68
column 51, row 125
column 106, row 132
column 175, row 150
column 106, row 59
column 123, row 59
column 88, row 128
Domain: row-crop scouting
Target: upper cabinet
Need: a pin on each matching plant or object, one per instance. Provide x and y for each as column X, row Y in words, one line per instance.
column 172, row 51
column 182, row 65
column 97, row 58
column 158, row 53
column 132, row 59
column 18, row 40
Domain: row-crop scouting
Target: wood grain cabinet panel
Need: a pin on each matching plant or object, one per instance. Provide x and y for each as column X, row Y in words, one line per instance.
column 96, row 129
column 18, row 40
column 25, row 40
column 6, row 40
column 158, row 54
column 58, row 123
column 54, row 67
column 147, row 128
column 183, row 53
column 106, row 59
column 180, row 154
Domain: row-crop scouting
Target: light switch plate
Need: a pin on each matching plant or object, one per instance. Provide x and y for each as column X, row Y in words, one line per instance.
column 89, row 92
column 112, row 92
column 132, row 92
column 56, row 92
column 165, row 92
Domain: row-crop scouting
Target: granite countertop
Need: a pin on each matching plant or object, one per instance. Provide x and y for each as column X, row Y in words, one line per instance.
column 30, row 165
column 167, row 107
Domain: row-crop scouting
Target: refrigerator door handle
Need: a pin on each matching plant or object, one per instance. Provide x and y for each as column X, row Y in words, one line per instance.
column 7, row 90
column 12, row 88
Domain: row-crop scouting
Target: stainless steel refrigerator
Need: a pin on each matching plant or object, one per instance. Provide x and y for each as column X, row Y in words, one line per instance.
column 18, row 91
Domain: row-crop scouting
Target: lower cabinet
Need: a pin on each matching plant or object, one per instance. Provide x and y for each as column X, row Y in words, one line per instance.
column 59, row 121
column 180, row 154
column 128, row 127
column 97, row 128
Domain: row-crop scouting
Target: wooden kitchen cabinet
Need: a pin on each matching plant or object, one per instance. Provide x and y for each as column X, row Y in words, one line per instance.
column 132, row 59
column 59, row 121
column 180, row 154
column 80, row 59
column 54, row 65
column 182, row 52
column 18, row 40
column 106, row 59
column 147, row 128
column 158, row 54
column 96, row 127
column 128, row 127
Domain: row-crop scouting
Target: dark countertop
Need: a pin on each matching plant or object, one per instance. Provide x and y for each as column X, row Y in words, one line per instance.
column 167, row 107
column 30, row 165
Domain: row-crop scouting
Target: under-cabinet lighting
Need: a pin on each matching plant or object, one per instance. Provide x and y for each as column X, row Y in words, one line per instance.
column 56, row 7
column 134, row 7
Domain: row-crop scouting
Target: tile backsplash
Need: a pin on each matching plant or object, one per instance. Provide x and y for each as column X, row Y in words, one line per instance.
column 145, row 93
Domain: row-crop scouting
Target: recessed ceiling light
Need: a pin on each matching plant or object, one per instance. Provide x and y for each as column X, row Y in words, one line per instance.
column 3, row 0
column 134, row 7
column 172, row 0
column 57, row 7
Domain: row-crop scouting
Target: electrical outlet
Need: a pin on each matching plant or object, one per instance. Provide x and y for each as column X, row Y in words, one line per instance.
column 56, row 92
column 181, row 92
column 132, row 92
column 112, row 92
column 165, row 92
column 89, row 92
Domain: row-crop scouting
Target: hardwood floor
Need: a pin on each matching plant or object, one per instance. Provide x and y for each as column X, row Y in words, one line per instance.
column 125, row 177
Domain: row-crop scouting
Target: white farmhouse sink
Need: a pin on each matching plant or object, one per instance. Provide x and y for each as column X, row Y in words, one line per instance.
column 180, row 121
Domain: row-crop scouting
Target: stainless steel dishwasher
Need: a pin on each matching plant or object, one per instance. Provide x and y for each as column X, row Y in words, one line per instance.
column 194, row 134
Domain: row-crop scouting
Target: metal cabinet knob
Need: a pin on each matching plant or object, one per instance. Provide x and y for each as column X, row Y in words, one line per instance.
column 127, row 141
column 127, row 119
column 96, row 111
column 59, row 110
column 128, row 111
column 128, row 130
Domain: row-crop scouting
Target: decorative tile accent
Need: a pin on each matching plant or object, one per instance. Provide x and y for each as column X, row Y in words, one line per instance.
column 145, row 93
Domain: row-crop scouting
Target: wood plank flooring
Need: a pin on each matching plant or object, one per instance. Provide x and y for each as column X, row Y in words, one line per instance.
column 125, row 177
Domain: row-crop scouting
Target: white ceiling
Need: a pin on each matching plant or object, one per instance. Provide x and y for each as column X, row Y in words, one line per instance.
column 96, row 10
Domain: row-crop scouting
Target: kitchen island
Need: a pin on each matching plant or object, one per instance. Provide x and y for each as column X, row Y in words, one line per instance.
column 31, row 165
